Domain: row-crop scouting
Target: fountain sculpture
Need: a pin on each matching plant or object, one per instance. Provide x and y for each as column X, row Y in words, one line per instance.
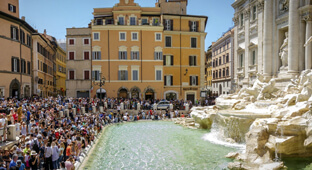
column 273, row 123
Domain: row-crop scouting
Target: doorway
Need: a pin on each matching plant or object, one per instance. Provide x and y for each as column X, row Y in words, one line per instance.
column 15, row 88
column 190, row 97
column 149, row 94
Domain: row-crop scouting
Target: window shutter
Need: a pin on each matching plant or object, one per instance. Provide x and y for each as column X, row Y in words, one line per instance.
column 126, row 55
column 197, row 26
column 172, row 60
column 119, row 75
column 126, row 75
column 99, row 57
column 18, row 65
column 190, row 80
column 165, row 80
column 171, row 78
column 164, row 23
column 119, row 55
column 138, row 55
column 9, row 7
column 164, row 60
column 197, row 80
column 12, row 64
column 28, row 66
column 16, row 34
column 195, row 63
column 14, row 9
column 190, row 25
column 161, row 55
column 190, row 60
column 131, row 55
column 12, row 32
column 171, row 25
column 155, row 55
column 93, row 75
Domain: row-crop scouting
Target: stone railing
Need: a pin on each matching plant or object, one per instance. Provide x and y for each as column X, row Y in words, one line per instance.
column 240, row 72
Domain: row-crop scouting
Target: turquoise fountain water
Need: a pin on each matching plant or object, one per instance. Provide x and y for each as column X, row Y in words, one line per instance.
column 156, row 145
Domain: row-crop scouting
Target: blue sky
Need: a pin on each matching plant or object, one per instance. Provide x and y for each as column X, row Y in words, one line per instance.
column 57, row 15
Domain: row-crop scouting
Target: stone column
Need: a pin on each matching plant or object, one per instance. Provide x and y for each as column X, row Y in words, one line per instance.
column 293, row 40
column 247, row 42
column 260, row 7
column 267, row 40
column 308, row 48
column 302, row 40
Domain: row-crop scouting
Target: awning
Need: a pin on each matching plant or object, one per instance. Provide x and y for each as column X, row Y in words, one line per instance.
column 100, row 91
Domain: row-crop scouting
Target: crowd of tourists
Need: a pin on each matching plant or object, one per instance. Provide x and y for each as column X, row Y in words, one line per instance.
column 53, row 132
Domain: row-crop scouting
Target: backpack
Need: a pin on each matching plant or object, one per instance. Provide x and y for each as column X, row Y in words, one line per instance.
column 36, row 147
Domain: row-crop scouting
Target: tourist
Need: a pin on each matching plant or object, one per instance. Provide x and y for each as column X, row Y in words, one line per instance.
column 20, row 165
column 14, row 160
column 34, row 160
column 69, row 164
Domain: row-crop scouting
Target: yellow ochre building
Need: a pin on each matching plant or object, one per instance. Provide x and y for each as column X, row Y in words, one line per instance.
column 148, row 52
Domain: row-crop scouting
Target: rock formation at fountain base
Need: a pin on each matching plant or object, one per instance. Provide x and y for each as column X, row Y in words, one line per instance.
column 274, row 124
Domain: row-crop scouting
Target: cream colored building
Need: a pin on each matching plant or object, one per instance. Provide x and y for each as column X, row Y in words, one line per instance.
column 223, row 63
column 260, row 32
column 78, row 62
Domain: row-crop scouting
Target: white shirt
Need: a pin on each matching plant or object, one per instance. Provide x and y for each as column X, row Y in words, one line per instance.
column 48, row 152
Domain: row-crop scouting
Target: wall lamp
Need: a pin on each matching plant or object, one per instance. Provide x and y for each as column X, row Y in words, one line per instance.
column 186, row 70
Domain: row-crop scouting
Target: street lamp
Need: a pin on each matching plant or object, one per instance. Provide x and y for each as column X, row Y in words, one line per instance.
column 101, row 83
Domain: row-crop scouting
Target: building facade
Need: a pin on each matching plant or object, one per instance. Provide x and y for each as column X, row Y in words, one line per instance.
column 60, row 71
column 43, row 67
column 78, row 62
column 222, row 62
column 16, row 52
column 270, row 37
column 144, row 53
column 208, row 70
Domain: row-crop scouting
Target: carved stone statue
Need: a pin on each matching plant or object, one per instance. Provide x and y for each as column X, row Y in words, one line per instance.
column 254, row 90
column 284, row 52
column 283, row 6
column 267, row 90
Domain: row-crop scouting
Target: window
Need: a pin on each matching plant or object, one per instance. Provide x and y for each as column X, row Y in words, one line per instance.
column 87, row 75
column 23, row 66
column 156, row 21
column 96, row 36
column 193, row 26
column 158, row 75
column 168, row 25
column 220, row 62
column 28, row 40
column 121, row 21
column 71, row 75
column 192, row 60
column 241, row 19
column 253, row 57
column 28, row 67
column 254, row 12
column 122, row 36
column 96, row 55
column 22, row 35
column 168, row 60
column 96, row 75
column 241, row 60
column 15, row 64
column 134, row 36
column 227, row 72
column 86, row 41
column 12, row 8
column 86, row 55
column 122, row 55
column 224, row 61
column 145, row 21
column 220, row 73
column 71, row 55
column 99, row 21
column 135, row 75
column 216, row 62
column 122, row 75
column 193, row 80
column 135, row 55
column 223, row 73
column 158, row 56
column 168, row 41
column 14, row 33
column 168, row 80
column 227, row 58
column 193, row 42
column 132, row 21
column 157, row 36
column 71, row 41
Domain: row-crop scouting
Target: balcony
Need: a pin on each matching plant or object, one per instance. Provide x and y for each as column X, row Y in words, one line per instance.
column 253, row 69
column 241, row 72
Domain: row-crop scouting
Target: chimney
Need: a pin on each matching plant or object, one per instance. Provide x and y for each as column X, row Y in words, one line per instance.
column 23, row 18
column 45, row 32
